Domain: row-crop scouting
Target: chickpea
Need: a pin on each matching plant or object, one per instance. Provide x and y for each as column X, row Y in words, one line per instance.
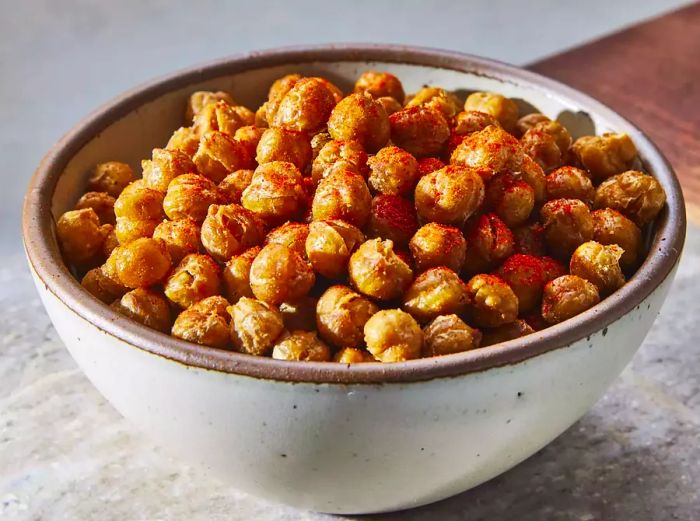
column 301, row 346
column 255, row 326
column 511, row 198
column 329, row 245
column 526, row 277
column 138, row 210
column 341, row 315
column 261, row 116
column 532, row 174
column 147, row 307
column 552, row 268
column 393, row 218
column 390, row 105
column 436, row 98
column 377, row 271
column 517, row 329
column 638, row 196
column 489, row 151
column 529, row 239
column 392, row 335
column 306, row 106
column 276, row 193
column 236, row 275
column 428, row 165
column 279, row 274
column 566, row 297
column 611, row 227
column 300, row 314
column 468, row 122
column 142, row 262
column 81, row 237
column 547, row 143
column 380, row 84
column 185, row 140
column 231, row 187
column 342, row 195
column 528, row 121
column 449, row 195
column 224, row 117
column 111, row 177
column 200, row 99
column 219, row 154
column 448, row 334
column 360, row 118
column 569, row 182
column 493, row 303
column 111, row 241
column 164, row 166
column 189, row 197
column 292, row 235
column 103, row 287
column 421, row 131
column 101, row 202
column 437, row 291
column 436, row 245
column 337, row 155
column 567, row 224
column 196, row 277
column 352, row 355
column 489, row 241
column 393, row 171
column 249, row 136
column 278, row 90
column 503, row 109
column 229, row 230
column 605, row 156
column 281, row 144
column 181, row 237
column 318, row 141
column 599, row 264
column 205, row 323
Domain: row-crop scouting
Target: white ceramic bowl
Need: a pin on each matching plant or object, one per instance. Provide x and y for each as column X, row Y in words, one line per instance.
column 331, row 437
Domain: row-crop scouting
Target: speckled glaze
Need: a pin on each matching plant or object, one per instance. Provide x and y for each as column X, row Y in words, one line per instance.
column 328, row 437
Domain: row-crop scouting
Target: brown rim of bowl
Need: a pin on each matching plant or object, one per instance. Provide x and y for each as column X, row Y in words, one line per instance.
column 44, row 256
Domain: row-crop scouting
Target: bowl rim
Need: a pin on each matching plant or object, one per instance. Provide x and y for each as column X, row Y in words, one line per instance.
column 45, row 260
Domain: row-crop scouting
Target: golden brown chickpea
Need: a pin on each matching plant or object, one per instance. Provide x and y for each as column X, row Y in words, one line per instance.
column 342, row 195
column 224, row 117
column 181, row 237
column 164, row 166
column 230, row 229
column 611, row 227
column 436, row 98
column 567, row 224
column 437, row 291
column 526, row 276
column 468, row 122
column 185, row 140
column 232, row 186
column 261, row 116
column 318, row 141
column 81, row 237
column 205, row 323
column 306, row 106
column 489, row 151
column 300, row 314
column 532, row 174
column 146, row 306
column 196, row 277
column 636, row 195
column 139, row 210
column 236, row 275
column 189, row 197
column 449, row 195
column 301, row 346
column 390, row 105
column 394, row 218
column 421, row 131
column 352, row 355
column 506, row 332
column 278, row 90
column 511, row 198
column 393, row 171
column 377, row 271
column 599, row 264
column 528, row 121
column 492, row 302
column 503, row 109
column 279, row 274
column 200, row 99
column 111, row 241
column 111, row 177
column 276, row 193
column 292, row 235
column 341, row 315
column 101, row 202
column 249, row 136
column 281, row 144
column 142, row 262
column 529, row 239
column 361, row 118
column 103, row 287
column 329, row 245
column 547, row 143
column 569, row 182
column 219, row 154
column 255, row 326
column 489, row 241
column 339, row 155
column 566, row 297
column 392, row 335
column 448, row 334
column 605, row 156
column 380, row 84
column 436, row 245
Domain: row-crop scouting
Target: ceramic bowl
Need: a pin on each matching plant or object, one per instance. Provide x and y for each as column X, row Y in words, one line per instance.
column 331, row 437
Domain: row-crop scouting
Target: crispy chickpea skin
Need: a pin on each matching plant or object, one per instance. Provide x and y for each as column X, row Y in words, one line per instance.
column 146, row 306
column 341, row 315
column 380, row 84
column 279, row 274
column 448, row 334
column 219, row 154
column 599, row 264
column 230, row 229
column 566, row 297
column 81, row 236
column 255, row 326
column 503, row 109
column 278, row 90
column 101, row 202
column 111, row 177
column 184, row 139
column 390, row 105
column 437, row 291
column 393, row 335
column 236, row 275
column 611, row 227
column 636, row 195
column 428, row 165
column 249, row 136
column 189, row 197
column 361, row 118
column 353, row 355
column 224, row 117
column 181, row 237
column 436, row 245
column 605, row 156
column 205, row 323
column 318, row 141
column 231, row 187
column 102, row 286
column 506, row 332
column 329, row 245
column 196, row 277
column 291, row 234
column 342, row 195
column 306, row 106
column 339, row 155
column 529, row 239
column 526, row 276
column 377, row 271
column 276, row 193
column 492, row 302
column 164, row 166
column 569, row 182
column 449, row 195
column 528, row 121
column 393, row 171
column 139, row 210
column 302, row 346
column 200, row 99
column 394, row 218
column 468, row 122
column 300, row 314
column 567, row 224
column 511, row 198
column 489, row 151
column 436, row 98
column 489, row 241
column 142, row 262
column 281, row 144
column 421, row 131
column 547, row 143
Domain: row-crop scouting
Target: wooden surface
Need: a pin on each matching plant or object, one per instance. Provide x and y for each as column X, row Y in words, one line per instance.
column 650, row 73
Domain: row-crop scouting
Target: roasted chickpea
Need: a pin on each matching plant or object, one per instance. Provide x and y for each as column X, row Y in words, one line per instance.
column 81, row 237
column 437, row 291
column 101, row 202
column 528, row 121
column 636, row 195
column 276, row 192
column 511, row 198
column 547, row 143
column 101, row 286
column 236, row 275
column 318, row 141
column 146, row 306
column 526, row 276
column 489, row 241
column 205, row 323
column 224, row 117
column 200, row 99
column 532, row 174
column 189, row 196
column 231, row 187
column 394, row 218
column 393, row 171
column 281, row 144
column 468, row 122
column 255, row 326
column 219, row 154
column 301, row 346
column 421, row 131
column 611, row 227
column 138, row 210
column 339, row 155
column 605, row 156
column 185, row 140
column 342, row 195
column 329, row 245
column 293, row 235
column 449, row 195
column 492, row 302
column 567, row 224
column 229, row 230
column 181, row 237
column 529, row 239
column 599, row 264
column 196, row 277
column 428, row 165
column 436, row 245
column 380, row 84
column 448, row 334
column 306, row 106
column 361, row 118
column 377, row 271
column 341, row 315
column 390, row 105
column 489, row 151
column 566, row 297
column 279, row 274
column 164, row 166
column 352, row 355
column 111, row 241
column 392, row 335
column 496, row 335
column 569, row 182
column 552, row 268
column 503, row 109
column 300, row 314
column 249, row 136
column 278, row 90
column 111, row 177
column 436, row 98
column 142, row 262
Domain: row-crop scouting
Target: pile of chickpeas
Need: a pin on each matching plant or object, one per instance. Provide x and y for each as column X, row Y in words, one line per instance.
column 369, row 227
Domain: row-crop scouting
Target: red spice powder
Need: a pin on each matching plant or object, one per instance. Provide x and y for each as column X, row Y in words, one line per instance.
column 428, row 165
column 395, row 212
column 523, row 270
column 552, row 268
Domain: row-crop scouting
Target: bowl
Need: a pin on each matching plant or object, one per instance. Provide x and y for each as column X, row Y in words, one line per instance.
column 331, row 437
